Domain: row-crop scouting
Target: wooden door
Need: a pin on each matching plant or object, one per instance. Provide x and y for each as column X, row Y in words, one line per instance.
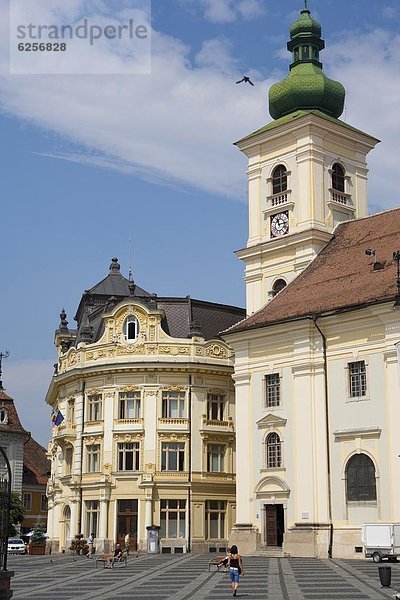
column 271, row 532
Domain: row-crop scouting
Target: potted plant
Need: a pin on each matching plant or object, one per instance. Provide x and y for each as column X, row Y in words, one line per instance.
column 38, row 539
column 78, row 545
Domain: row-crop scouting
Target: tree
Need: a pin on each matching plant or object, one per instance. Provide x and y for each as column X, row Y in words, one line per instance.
column 38, row 534
column 16, row 514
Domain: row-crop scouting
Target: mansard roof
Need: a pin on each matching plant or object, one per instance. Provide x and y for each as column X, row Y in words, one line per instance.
column 342, row 276
column 181, row 315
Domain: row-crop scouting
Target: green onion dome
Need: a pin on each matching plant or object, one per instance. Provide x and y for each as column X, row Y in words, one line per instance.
column 306, row 87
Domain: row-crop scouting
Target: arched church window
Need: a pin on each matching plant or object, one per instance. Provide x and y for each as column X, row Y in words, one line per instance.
column 278, row 287
column 279, row 179
column 274, row 451
column 131, row 329
column 360, row 479
column 306, row 52
column 338, row 177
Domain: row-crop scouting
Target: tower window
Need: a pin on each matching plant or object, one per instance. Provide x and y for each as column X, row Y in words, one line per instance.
column 279, row 179
column 338, row 177
column 3, row 416
column 131, row 329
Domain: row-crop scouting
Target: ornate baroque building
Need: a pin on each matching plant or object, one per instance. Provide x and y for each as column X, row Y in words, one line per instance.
column 144, row 384
column 316, row 368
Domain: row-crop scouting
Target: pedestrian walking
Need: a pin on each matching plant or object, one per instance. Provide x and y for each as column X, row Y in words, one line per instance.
column 235, row 566
column 90, row 544
column 127, row 540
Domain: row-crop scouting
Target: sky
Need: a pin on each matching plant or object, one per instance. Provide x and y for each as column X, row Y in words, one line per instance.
column 89, row 161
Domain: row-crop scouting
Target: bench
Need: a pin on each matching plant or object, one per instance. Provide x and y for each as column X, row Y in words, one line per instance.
column 115, row 562
column 216, row 562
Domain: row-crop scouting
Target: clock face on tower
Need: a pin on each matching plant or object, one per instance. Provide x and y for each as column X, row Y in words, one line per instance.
column 279, row 224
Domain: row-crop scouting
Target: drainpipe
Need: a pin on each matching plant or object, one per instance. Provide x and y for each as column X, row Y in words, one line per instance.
column 81, row 466
column 327, row 431
column 189, row 545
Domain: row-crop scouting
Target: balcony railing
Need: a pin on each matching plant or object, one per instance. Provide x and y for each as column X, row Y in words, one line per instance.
column 172, row 422
column 341, row 198
column 216, row 423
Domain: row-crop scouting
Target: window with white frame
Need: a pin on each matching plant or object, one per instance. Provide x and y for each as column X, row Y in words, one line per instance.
column 129, row 456
column 273, row 451
column 93, row 458
column 215, row 407
column 279, row 180
column 357, row 379
column 71, row 410
column 173, row 405
column 272, row 390
column 131, row 329
column 215, row 519
column 129, row 405
column 3, row 416
column 43, row 503
column 172, row 456
column 216, row 458
column 172, row 518
column 69, row 455
column 92, row 517
column 27, row 501
column 94, row 407
column 338, row 177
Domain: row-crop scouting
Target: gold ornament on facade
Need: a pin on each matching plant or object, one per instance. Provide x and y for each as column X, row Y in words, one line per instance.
column 150, row 468
column 199, row 351
column 89, row 441
column 129, row 388
column 216, row 351
column 174, row 350
column 174, row 388
column 128, row 437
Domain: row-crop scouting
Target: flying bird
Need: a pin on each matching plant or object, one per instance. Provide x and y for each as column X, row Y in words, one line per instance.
column 246, row 80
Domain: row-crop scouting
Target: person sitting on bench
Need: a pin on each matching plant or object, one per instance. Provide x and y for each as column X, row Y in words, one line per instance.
column 117, row 556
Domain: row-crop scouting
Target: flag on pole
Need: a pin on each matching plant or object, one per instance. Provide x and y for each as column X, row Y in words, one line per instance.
column 57, row 418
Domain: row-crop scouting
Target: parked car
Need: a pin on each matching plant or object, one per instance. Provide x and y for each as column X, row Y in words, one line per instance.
column 16, row 546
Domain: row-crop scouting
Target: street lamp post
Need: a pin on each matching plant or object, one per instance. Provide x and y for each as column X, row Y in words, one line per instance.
column 5, row 505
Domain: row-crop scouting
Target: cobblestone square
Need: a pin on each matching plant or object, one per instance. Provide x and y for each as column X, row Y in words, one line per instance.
column 185, row 577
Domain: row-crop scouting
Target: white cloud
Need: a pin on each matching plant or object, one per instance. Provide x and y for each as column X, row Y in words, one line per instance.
column 177, row 124
column 228, row 11
column 369, row 68
column 251, row 9
column 27, row 382
column 216, row 54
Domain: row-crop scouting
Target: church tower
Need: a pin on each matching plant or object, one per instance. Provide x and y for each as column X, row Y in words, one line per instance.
column 307, row 170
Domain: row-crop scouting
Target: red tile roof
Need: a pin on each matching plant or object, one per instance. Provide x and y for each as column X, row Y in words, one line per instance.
column 341, row 277
column 36, row 461
column 13, row 424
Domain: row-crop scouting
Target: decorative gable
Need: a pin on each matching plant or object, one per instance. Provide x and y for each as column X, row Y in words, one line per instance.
column 271, row 421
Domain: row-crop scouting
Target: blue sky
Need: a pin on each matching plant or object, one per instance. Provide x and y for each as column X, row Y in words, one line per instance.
column 87, row 161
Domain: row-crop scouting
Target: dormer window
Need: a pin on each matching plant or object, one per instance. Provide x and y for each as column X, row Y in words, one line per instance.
column 278, row 287
column 131, row 329
column 338, row 177
column 279, row 179
column 3, row 416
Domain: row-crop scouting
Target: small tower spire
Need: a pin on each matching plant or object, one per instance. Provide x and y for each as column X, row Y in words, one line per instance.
column 5, row 354
column 130, row 273
column 305, row 4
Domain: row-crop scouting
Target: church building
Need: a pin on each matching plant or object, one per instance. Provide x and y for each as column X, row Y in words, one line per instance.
column 316, row 368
